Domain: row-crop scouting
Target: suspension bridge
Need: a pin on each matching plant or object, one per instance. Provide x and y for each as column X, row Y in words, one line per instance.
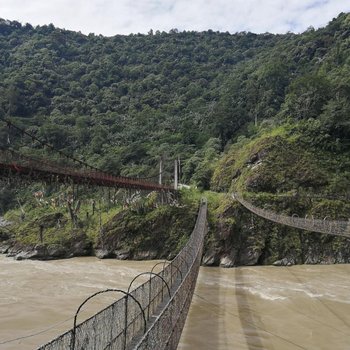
column 152, row 315
column 332, row 227
column 14, row 164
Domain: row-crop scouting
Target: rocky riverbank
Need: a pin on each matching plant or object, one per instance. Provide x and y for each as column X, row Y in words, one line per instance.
column 13, row 245
column 235, row 238
column 76, row 246
column 155, row 233
column 239, row 238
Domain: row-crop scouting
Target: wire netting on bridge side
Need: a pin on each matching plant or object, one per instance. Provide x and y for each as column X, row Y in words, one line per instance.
column 165, row 314
column 333, row 227
column 165, row 332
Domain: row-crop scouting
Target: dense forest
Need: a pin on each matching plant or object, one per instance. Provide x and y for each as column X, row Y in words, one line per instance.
column 260, row 113
column 123, row 102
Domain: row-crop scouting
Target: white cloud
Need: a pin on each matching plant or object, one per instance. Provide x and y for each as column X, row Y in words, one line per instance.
column 111, row 17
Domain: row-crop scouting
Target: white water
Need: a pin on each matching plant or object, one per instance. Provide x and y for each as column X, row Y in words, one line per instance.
column 254, row 308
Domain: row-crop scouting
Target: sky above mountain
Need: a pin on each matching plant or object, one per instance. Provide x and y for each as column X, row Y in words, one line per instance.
column 110, row 17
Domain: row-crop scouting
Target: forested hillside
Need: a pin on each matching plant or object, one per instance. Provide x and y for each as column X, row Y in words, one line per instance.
column 265, row 114
column 123, row 102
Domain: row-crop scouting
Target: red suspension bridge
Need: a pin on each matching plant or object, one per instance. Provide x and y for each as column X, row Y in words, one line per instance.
column 15, row 164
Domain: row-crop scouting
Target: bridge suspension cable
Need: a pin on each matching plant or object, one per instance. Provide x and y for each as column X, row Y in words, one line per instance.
column 332, row 227
column 14, row 163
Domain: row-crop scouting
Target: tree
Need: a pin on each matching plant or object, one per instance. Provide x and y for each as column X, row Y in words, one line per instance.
column 307, row 96
column 336, row 117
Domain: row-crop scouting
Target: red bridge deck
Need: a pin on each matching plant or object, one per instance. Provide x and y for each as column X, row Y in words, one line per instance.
column 38, row 170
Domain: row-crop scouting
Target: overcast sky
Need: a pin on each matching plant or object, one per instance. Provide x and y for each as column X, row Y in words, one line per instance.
column 110, row 17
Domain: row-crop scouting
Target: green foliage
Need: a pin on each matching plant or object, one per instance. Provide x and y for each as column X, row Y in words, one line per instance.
column 6, row 199
column 335, row 118
column 162, row 230
column 306, row 96
column 291, row 157
column 199, row 168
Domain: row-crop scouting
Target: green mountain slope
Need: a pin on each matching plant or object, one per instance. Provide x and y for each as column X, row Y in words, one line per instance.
column 122, row 102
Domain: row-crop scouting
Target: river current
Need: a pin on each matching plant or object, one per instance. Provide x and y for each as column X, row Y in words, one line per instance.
column 248, row 308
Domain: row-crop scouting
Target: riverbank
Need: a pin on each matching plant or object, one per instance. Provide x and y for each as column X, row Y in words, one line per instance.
column 147, row 233
column 235, row 237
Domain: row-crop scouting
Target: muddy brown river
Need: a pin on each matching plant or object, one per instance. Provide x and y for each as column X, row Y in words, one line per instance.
column 250, row 308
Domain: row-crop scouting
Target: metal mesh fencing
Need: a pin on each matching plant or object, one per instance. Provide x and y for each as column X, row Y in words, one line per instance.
column 166, row 330
column 122, row 324
column 332, row 227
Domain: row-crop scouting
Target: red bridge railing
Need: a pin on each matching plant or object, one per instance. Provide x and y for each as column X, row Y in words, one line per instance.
column 15, row 164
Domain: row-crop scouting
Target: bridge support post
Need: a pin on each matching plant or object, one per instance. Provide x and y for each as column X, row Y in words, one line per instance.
column 176, row 175
column 160, row 171
column 41, row 233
